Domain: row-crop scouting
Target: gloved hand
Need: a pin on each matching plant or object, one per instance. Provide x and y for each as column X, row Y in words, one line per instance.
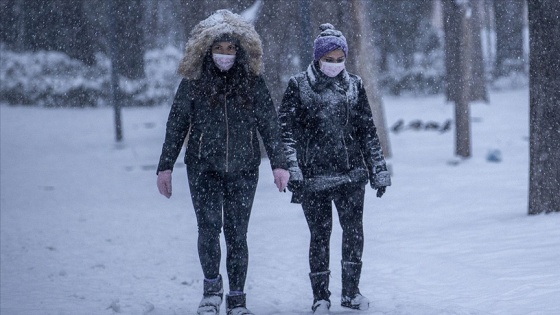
column 380, row 180
column 164, row 183
column 281, row 178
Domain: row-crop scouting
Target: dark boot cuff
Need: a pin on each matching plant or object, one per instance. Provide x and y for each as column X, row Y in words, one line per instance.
column 233, row 301
column 214, row 286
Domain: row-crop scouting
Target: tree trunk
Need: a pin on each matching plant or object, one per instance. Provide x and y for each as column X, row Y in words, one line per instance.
column 544, row 98
column 57, row 25
column 115, row 55
column 478, row 90
column 458, row 62
column 280, row 26
column 305, row 50
column 452, row 28
column 462, row 111
column 455, row 80
column 365, row 58
column 509, row 36
column 129, row 38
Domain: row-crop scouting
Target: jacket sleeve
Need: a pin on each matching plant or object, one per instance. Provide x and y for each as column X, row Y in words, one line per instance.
column 267, row 124
column 287, row 115
column 369, row 142
column 178, row 124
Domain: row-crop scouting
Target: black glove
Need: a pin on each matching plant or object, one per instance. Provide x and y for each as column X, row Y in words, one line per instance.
column 380, row 179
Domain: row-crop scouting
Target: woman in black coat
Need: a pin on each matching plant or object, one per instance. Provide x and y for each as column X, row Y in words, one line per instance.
column 332, row 149
column 220, row 105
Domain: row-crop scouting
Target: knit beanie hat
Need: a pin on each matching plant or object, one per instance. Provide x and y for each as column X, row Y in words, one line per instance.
column 329, row 40
column 227, row 38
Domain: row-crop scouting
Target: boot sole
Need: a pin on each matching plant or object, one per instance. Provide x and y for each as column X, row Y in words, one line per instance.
column 356, row 307
column 207, row 310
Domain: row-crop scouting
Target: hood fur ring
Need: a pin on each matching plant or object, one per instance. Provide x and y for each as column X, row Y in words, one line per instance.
column 203, row 35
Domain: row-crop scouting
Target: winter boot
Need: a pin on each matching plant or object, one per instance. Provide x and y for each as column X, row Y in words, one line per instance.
column 321, row 293
column 212, row 297
column 235, row 305
column 351, row 296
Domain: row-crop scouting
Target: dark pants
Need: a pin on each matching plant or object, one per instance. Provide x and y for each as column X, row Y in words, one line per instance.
column 317, row 207
column 217, row 195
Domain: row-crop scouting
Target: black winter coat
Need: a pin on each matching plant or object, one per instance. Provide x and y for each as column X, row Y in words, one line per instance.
column 328, row 129
column 222, row 133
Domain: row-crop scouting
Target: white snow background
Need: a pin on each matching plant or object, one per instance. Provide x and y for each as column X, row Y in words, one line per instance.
column 85, row 231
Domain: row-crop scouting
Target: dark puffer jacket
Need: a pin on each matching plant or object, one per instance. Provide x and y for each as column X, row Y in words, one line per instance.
column 328, row 130
column 222, row 131
column 219, row 113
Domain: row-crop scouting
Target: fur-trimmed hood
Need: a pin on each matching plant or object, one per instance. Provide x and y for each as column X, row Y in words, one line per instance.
column 207, row 31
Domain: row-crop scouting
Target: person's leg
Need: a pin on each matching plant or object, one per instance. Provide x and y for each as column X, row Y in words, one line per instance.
column 207, row 196
column 206, row 193
column 240, row 190
column 317, row 207
column 349, row 202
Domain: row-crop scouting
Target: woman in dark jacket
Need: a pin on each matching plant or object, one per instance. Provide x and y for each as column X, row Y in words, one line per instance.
column 332, row 149
column 220, row 105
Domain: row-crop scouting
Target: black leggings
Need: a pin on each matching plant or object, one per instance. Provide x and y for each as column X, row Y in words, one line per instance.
column 228, row 195
column 317, row 207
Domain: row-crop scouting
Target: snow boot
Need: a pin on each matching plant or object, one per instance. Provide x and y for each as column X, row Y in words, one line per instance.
column 212, row 297
column 321, row 293
column 351, row 296
column 236, row 305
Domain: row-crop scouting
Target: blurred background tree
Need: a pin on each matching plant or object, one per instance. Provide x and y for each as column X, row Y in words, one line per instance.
column 509, row 36
column 57, row 25
column 544, row 99
column 412, row 39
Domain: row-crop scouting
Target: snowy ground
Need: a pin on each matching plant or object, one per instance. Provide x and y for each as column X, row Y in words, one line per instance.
column 84, row 230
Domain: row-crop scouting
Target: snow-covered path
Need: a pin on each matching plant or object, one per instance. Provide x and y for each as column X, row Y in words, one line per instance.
column 84, row 230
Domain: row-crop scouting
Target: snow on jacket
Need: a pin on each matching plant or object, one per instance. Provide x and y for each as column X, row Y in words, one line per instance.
column 328, row 130
column 219, row 113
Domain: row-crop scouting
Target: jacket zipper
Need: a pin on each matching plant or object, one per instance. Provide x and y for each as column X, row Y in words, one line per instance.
column 227, row 130
column 346, row 151
column 200, row 145
column 346, row 124
column 251, row 141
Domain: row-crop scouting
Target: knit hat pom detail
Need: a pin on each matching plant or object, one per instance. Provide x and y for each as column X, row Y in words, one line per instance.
column 326, row 26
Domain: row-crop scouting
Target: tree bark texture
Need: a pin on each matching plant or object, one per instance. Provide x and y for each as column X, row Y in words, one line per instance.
column 455, row 81
column 544, row 98
column 478, row 90
column 462, row 110
column 458, row 63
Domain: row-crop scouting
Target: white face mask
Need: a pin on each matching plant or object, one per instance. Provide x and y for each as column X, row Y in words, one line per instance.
column 223, row 62
column 331, row 69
